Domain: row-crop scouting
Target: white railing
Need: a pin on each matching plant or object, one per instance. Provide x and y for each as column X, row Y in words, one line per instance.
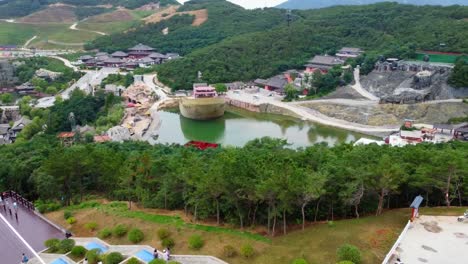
column 397, row 243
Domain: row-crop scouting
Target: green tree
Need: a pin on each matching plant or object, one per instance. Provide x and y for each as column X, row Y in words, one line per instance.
column 221, row 88
column 6, row 98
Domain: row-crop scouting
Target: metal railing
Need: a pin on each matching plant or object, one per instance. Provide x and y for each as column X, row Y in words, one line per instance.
column 19, row 199
column 397, row 243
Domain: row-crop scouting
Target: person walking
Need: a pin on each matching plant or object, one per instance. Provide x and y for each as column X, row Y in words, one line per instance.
column 24, row 259
column 155, row 254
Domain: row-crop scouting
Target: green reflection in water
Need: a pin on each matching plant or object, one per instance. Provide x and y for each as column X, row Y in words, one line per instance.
column 237, row 127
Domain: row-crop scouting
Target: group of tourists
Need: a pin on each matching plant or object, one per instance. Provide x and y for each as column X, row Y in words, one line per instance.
column 6, row 206
column 164, row 255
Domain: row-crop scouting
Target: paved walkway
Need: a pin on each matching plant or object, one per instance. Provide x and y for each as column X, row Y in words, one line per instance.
column 435, row 239
column 30, row 226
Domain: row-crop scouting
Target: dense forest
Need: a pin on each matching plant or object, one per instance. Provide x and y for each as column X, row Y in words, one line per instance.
column 389, row 29
column 19, row 8
column 263, row 183
column 224, row 20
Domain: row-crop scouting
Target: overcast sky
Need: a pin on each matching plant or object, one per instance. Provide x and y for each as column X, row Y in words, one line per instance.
column 252, row 3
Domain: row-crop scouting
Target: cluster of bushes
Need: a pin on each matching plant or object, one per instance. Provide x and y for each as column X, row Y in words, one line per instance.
column 68, row 215
column 135, row 235
column 196, row 242
column 165, row 237
column 94, row 256
column 246, row 251
column 91, row 226
column 45, row 207
column 59, row 246
column 349, row 254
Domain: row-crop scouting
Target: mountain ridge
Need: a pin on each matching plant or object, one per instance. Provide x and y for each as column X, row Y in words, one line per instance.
column 314, row 4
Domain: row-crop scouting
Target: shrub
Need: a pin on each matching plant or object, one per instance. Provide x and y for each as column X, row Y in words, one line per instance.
column 113, row 258
column 93, row 256
column 66, row 245
column 300, row 261
column 67, row 214
column 91, row 226
column 105, row 233
column 52, row 244
column 71, row 220
column 135, row 235
column 345, row 262
column 196, row 242
column 330, row 224
column 157, row 261
column 173, row 262
column 163, row 233
column 78, row 251
column 133, row 261
column 229, row 251
column 349, row 252
column 120, row 230
column 247, row 251
column 168, row 242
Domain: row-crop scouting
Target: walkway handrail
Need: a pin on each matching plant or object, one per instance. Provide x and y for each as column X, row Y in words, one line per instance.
column 19, row 199
column 397, row 243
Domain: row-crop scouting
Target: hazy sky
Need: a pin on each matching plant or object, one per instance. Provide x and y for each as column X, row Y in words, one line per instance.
column 252, row 3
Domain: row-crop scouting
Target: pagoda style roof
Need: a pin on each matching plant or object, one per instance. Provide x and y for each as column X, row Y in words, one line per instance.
column 113, row 60
column 85, row 58
column 156, row 55
column 141, row 47
column 147, row 60
column 326, row 60
column 119, row 54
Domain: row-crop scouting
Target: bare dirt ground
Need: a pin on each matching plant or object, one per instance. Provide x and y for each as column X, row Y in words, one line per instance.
column 435, row 239
column 118, row 15
column 53, row 14
column 201, row 16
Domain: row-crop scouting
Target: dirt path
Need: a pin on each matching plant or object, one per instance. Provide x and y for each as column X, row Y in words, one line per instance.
column 73, row 27
column 358, row 87
column 201, row 16
column 29, row 42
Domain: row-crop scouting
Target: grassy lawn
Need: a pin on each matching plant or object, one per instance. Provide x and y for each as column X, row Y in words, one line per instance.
column 108, row 27
column 318, row 243
column 19, row 33
column 444, row 58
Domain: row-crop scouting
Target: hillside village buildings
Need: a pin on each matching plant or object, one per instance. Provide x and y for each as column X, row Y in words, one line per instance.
column 137, row 56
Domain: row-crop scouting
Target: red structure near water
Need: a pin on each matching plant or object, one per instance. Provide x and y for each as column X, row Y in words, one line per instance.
column 201, row 145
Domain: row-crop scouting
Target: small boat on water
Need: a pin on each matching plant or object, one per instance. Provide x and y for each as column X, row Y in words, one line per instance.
column 204, row 104
column 201, row 145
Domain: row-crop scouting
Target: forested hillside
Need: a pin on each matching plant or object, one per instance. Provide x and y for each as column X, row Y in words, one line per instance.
column 19, row 8
column 224, row 20
column 388, row 28
column 312, row 4
column 263, row 183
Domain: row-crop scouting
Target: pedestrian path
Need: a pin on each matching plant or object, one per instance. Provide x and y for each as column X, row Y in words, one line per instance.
column 29, row 225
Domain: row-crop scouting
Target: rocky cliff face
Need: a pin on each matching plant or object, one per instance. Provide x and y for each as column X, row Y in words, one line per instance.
column 411, row 82
column 7, row 74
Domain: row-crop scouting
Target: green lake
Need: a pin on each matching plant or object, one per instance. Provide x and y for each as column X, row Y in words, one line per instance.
column 237, row 127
